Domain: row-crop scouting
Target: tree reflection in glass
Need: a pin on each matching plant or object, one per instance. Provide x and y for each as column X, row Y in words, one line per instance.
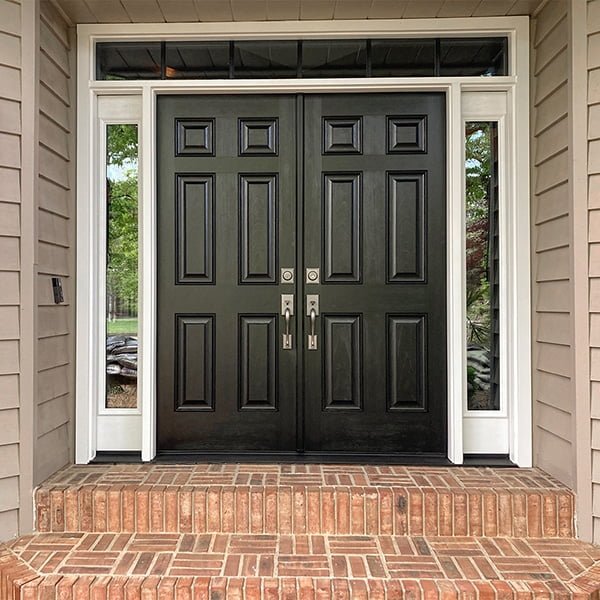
column 121, row 265
column 482, row 283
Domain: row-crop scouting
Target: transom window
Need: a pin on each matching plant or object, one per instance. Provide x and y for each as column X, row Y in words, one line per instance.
column 269, row 59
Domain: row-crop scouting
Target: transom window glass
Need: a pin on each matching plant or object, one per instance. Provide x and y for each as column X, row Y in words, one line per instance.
column 271, row 59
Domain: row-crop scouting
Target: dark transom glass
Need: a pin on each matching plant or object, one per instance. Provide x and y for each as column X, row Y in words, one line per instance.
column 274, row 59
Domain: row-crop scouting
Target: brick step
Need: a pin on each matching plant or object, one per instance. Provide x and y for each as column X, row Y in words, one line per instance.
column 340, row 499
column 49, row 566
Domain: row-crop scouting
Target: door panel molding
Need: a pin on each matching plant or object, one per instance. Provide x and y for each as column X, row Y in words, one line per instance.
column 258, row 206
column 342, row 362
column 258, row 379
column 196, row 246
column 194, row 356
column 407, row 345
column 406, row 255
column 342, row 227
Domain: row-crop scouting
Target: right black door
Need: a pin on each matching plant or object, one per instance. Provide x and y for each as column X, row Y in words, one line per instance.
column 374, row 224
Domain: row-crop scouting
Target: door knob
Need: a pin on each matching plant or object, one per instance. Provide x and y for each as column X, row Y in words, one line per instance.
column 312, row 311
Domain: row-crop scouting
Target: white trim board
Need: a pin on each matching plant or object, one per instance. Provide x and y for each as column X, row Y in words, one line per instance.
column 517, row 316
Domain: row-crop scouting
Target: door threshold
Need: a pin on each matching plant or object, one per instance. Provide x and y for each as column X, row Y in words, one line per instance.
column 123, row 457
column 303, row 458
column 165, row 457
column 487, row 460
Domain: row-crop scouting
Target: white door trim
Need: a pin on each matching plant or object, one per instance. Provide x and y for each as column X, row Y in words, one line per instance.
column 518, row 303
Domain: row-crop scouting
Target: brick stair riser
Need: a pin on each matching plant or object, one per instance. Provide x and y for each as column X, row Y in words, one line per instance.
column 305, row 588
column 303, row 509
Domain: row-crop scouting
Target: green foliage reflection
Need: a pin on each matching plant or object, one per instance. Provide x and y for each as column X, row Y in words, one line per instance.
column 122, row 221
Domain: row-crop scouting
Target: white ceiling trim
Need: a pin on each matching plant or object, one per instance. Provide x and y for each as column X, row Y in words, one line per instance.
column 171, row 11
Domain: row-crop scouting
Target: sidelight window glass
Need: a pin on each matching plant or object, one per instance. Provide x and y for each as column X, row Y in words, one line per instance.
column 482, row 265
column 122, row 247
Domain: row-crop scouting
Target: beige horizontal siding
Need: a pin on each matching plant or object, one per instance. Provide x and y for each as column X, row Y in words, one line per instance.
column 10, row 232
column 551, row 238
column 593, row 22
column 55, row 395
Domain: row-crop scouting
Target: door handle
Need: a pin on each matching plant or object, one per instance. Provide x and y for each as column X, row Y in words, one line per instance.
column 287, row 310
column 312, row 311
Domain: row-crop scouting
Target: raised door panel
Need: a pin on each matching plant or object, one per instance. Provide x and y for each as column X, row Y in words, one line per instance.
column 407, row 362
column 342, row 362
column 342, row 208
column 195, row 225
column 258, row 228
column 194, row 359
column 406, row 231
column 258, row 362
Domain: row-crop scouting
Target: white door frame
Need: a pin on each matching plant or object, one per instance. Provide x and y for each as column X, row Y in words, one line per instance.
column 516, row 311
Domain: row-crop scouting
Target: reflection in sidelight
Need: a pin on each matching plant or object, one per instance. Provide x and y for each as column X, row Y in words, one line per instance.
column 482, row 276
column 121, row 265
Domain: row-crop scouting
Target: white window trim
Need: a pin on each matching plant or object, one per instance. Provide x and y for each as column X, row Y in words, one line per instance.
column 518, row 313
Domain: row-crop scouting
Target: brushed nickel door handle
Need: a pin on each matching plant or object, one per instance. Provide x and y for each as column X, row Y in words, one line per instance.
column 287, row 310
column 312, row 311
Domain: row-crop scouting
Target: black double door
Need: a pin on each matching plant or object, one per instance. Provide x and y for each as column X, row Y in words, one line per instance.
column 346, row 190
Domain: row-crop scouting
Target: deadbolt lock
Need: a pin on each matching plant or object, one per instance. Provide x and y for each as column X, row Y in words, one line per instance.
column 312, row 275
column 287, row 275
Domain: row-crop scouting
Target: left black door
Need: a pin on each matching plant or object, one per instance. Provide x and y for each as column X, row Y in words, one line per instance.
column 223, row 380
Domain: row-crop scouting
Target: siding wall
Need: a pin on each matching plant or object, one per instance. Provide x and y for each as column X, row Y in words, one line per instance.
column 55, row 323
column 593, row 65
column 10, row 233
column 552, row 293
column 36, row 243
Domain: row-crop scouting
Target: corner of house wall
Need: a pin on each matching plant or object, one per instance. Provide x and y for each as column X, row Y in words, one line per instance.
column 28, row 259
column 582, row 451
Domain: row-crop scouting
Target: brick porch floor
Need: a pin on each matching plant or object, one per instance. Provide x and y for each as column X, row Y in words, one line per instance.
column 186, row 532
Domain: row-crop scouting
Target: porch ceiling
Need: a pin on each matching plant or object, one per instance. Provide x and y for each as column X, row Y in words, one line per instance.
column 167, row 11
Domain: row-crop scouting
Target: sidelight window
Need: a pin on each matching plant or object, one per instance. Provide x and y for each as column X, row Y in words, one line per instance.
column 318, row 58
column 482, row 265
column 122, row 246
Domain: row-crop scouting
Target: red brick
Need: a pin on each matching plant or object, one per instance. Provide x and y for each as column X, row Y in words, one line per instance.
column 342, row 502
column 184, row 510
column 534, row 515
column 299, row 495
column 386, row 511
column 128, row 508
column 142, row 510
column 415, row 510
column 228, row 509
column 490, row 514
column 242, row 509
column 200, row 524
column 57, row 510
column 100, row 502
column 256, row 510
column 270, row 509
column 285, row 510
column 357, row 511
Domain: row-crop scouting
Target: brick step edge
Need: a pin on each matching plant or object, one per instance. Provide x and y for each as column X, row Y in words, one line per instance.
column 305, row 509
column 22, row 583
